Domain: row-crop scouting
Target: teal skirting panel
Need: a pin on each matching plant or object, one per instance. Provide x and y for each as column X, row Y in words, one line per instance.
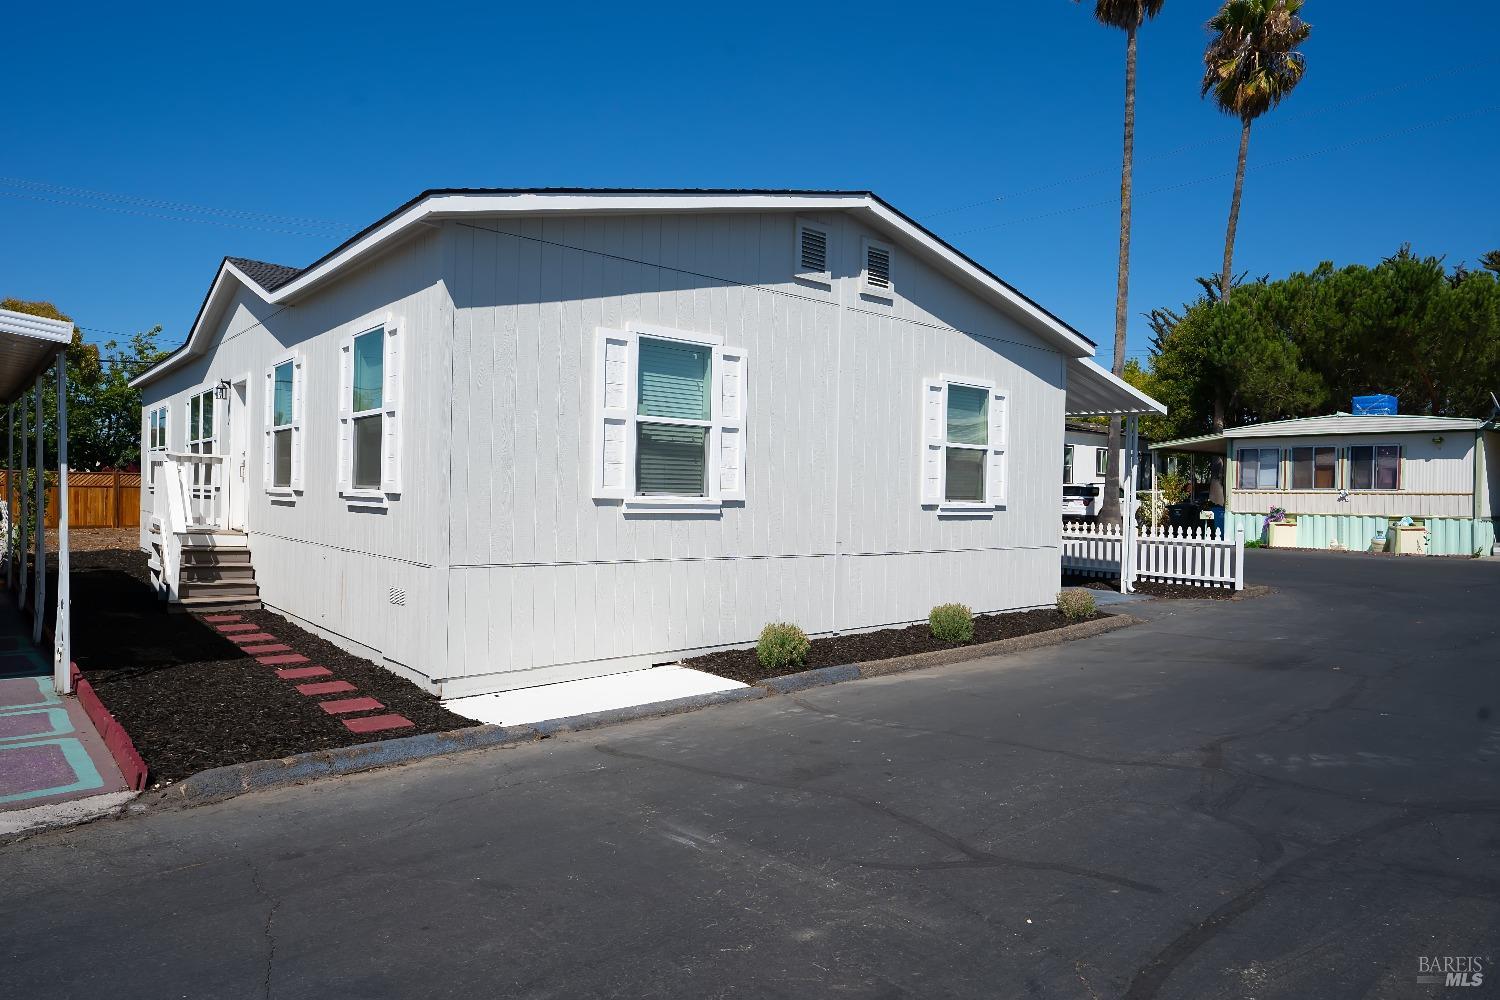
column 1446, row 535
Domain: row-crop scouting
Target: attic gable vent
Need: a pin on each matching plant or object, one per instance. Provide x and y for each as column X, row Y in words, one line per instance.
column 812, row 251
column 878, row 267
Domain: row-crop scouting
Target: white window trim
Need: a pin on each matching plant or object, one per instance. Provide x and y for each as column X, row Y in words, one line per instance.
column 392, row 328
column 710, row 503
column 866, row 244
column 616, row 419
column 166, row 433
column 1070, row 462
column 825, row 276
column 996, row 497
column 269, row 464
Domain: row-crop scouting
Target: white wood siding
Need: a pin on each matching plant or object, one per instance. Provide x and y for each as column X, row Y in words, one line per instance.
column 316, row 556
column 548, row 582
column 1437, row 479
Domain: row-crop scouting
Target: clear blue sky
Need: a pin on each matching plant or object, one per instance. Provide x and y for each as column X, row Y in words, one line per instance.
column 274, row 133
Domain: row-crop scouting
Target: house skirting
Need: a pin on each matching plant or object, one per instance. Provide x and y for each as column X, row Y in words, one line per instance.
column 1447, row 536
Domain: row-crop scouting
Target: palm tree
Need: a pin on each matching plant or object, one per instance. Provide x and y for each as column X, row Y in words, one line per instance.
column 1250, row 66
column 1127, row 15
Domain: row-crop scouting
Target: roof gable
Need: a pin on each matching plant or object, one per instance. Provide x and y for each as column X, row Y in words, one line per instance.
column 280, row 284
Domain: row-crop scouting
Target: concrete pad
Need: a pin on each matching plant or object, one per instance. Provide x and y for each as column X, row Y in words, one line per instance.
column 56, row 814
column 594, row 694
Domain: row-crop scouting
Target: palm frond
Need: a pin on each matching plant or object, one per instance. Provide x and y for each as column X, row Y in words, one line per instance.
column 1251, row 63
column 1126, row 14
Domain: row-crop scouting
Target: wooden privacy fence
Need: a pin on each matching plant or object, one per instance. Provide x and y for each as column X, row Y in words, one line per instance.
column 1197, row 556
column 95, row 499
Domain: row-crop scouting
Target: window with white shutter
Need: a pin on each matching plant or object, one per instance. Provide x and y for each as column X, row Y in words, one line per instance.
column 370, row 366
column 876, row 269
column 812, row 250
column 964, row 431
column 669, row 419
column 282, row 455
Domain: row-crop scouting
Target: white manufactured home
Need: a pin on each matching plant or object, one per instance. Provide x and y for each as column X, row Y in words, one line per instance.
column 503, row 438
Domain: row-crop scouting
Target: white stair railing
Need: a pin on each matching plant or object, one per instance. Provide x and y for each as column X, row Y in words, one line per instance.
column 188, row 496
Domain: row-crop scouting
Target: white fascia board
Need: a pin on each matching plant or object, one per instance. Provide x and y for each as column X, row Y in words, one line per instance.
column 212, row 306
column 19, row 324
column 1064, row 338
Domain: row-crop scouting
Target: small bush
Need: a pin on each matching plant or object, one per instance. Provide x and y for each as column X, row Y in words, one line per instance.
column 951, row 623
column 781, row 644
column 1076, row 604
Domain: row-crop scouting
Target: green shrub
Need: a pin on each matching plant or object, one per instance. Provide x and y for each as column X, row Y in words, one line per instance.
column 1076, row 604
column 951, row 623
column 781, row 644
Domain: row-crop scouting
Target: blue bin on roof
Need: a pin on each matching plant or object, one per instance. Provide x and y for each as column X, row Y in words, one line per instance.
column 1379, row 405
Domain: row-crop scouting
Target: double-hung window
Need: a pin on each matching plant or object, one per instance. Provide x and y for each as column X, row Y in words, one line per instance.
column 1260, row 469
column 156, row 441
column 369, row 417
column 283, row 447
column 200, row 440
column 1101, row 461
column 670, row 419
column 1315, row 468
column 963, row 448
column 1067, row 464
column 1375, row 467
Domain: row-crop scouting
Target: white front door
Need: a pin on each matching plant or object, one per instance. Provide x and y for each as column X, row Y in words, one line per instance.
column 236, row 467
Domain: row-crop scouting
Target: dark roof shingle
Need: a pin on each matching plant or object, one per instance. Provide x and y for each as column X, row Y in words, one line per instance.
column 268, row 276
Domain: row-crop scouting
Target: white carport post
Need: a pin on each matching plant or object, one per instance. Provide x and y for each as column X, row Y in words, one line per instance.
column 39, row 593
column 25, row 546
column 1132, row 501
column 10, row 498
column 62, row 627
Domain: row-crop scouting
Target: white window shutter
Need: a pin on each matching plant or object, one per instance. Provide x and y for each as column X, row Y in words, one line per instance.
column 346, row 422
column 614, row 356
column 934, row 422
column 729, row 419
column 270, row 406
column 390, row 458
column 996, row 474
column 298, row 418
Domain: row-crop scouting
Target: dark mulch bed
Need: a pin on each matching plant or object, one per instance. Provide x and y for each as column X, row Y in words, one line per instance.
column 862, row 647
column 1170, row 591
column 191, row 700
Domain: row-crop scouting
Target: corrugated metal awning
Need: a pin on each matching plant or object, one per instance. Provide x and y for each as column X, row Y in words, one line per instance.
column 28, row 345
column 1094, row 392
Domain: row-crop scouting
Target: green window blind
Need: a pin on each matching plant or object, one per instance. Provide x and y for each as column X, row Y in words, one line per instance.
column 674, row 380
column 968, row 415
column 369, row 370
column 282, row 410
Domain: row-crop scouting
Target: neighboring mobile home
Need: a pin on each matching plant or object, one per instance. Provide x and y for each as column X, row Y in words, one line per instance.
column 1345, row 477
column 1086, row 456
column 504, row 438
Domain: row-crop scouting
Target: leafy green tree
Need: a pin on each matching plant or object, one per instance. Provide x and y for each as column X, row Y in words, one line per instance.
column 104, row 413
column 1251, row 65
column 1127, row 15
column 1490, row 261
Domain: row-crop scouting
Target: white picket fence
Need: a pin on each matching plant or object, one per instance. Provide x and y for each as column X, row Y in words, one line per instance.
column 1195, row 556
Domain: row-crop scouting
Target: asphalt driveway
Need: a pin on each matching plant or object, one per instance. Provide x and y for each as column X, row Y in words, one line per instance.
column 1296, row 796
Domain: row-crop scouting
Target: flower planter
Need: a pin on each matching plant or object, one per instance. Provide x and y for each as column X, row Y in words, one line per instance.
column 1281, row 534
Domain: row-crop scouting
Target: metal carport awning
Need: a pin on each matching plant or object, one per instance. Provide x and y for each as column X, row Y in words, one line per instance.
column 28, row 346
column 1094, row 392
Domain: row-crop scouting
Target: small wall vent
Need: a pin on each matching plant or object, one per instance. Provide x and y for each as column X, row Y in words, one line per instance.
column 877, row 273
column 812, row 251
column 398, row 597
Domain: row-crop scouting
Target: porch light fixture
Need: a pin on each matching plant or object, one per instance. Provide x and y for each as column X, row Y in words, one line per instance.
column 221, row 391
